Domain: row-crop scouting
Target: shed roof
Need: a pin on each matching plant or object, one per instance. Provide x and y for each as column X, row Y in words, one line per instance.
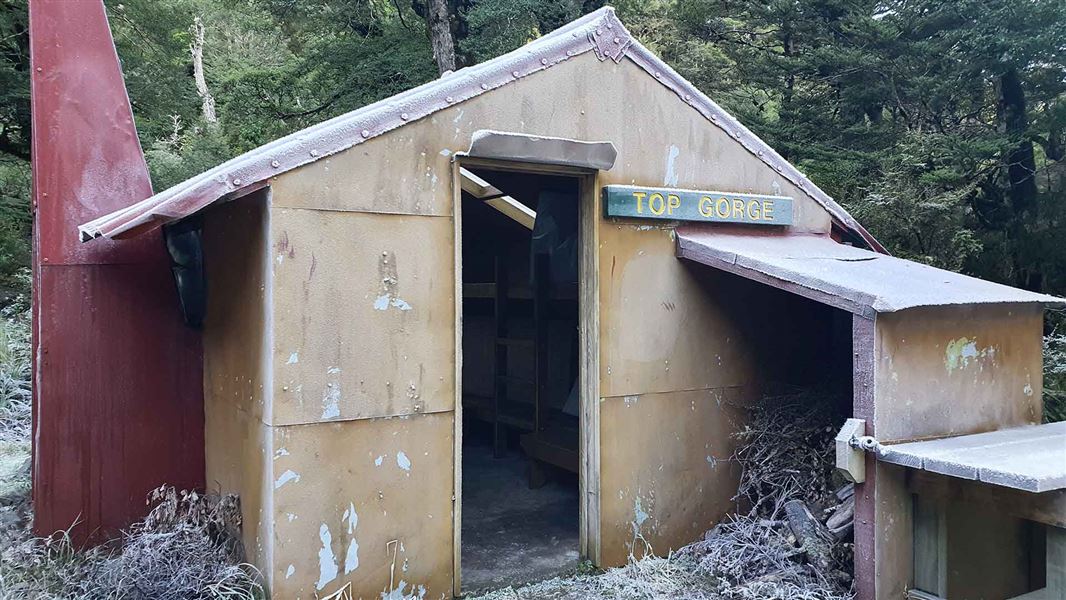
column 599, row 32
column 1031, row 458
column 844, row 276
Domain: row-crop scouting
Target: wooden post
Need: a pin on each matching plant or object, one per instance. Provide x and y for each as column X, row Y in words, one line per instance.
column 499, row 365
column 863, row 332
column 1056, row 563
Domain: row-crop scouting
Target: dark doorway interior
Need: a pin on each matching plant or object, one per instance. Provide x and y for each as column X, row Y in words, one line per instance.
column 520, row 374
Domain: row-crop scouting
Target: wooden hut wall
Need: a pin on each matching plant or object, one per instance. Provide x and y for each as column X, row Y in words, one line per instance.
column 236, row 368
column 985, row 363
column 363, row 349
column 364, row 374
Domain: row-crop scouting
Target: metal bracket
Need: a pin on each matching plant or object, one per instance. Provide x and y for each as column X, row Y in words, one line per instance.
column 850, row 445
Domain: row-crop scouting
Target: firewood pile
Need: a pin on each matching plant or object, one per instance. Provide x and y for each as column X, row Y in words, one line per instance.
column 795, row 539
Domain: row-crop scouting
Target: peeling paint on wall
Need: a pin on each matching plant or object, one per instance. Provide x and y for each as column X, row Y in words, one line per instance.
column 389, row 283
column 671, row 166
column 962, row 352
column 399, row 593
column 384, row 301
column 352, row 518
column 286, row 477
column 331, row 408
column 640, row 516
column 351, row 557
column 402, row 461
column 327, row 562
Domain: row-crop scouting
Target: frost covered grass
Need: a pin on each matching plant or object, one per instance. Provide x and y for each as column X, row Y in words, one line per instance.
column 187, row 547
column 15, row 399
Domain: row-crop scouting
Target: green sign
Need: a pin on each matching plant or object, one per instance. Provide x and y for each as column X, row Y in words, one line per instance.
column 693, row 205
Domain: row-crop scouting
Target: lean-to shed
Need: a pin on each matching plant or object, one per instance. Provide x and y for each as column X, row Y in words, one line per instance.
column 519, row 251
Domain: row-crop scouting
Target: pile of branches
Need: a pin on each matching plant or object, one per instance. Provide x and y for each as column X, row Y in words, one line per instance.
column 187, row 547
column 794, row 540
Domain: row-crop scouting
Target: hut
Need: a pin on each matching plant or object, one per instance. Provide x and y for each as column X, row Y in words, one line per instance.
column 568, row 255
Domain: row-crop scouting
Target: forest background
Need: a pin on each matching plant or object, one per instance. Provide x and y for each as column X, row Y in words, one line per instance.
column 940, row 124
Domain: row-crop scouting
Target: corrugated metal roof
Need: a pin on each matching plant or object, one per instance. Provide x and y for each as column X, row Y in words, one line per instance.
column 1031, row 458
column 599, row 32
column 850, row 278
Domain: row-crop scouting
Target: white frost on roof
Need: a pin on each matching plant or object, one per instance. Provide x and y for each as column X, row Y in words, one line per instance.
column 857, row 280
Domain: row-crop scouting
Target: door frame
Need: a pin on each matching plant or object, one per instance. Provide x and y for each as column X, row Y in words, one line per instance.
column 588, row 352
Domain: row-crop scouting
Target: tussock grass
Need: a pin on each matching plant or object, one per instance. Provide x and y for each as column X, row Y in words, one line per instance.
column 188, row 547
column 15, row 397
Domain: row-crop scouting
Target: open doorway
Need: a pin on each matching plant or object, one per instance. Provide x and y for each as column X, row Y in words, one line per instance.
column 521, row 386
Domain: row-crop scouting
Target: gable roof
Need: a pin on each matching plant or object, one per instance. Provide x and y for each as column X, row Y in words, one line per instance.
column 599, row 32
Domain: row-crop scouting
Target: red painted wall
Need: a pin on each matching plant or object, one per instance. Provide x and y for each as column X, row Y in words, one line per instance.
column 117, row 377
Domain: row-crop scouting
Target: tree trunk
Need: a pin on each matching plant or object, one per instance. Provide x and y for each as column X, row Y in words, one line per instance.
column 440, row 34
column 197, row 49
column 1021, row 165
column 787, row 113
column 1021, row 174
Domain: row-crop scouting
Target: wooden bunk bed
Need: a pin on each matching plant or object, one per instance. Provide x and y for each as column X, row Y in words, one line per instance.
column 504, row 408
column 530, row 402
column 549, row 436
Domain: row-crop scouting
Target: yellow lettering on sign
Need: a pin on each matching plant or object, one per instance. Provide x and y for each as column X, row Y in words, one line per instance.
column 767, row 210
column 738, row 208
column 652, row 203
column 672, row 202
column 706, row 206
column 721, row 208
column 639, row 196
column 753, row 210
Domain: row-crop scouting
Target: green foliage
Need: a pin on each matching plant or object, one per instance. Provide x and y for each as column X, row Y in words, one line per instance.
column 499, row 26
column 14, row 80
column 941, row 125
column 184, row 154
column 14, row 147
column 14, row 229
column 1055, row 369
